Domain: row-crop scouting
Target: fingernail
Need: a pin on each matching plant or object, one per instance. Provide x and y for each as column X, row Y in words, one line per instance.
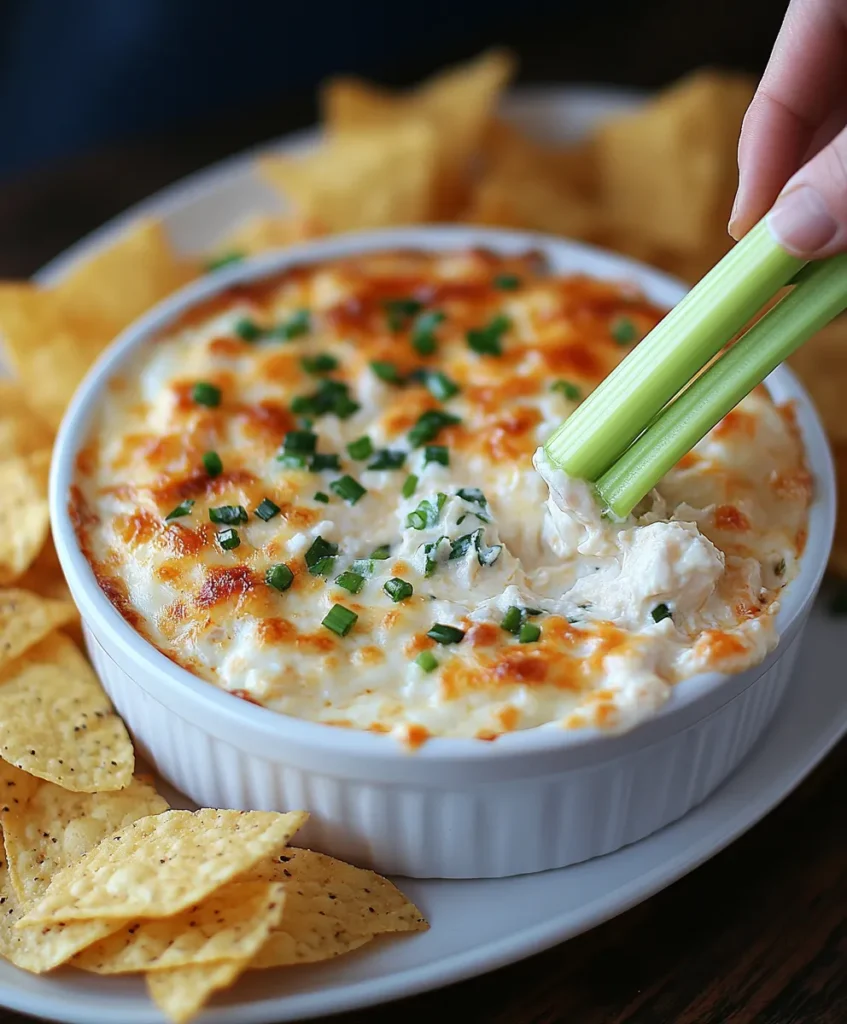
column 801, row 222
column 732, row 227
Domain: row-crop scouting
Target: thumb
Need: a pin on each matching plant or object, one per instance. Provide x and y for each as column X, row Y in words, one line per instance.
column 809, row 217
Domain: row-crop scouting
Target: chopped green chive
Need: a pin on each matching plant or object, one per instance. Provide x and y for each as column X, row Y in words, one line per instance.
column 424, row 341
column 224, row 260
column 397, row 589
column 488, row 340
column 779, row 568
column 429, row 426
column 623, row 330
column 228, row 514
column 340, row 620
column 387, row 459
column 323, row 566
column 322, row 461
column 361, row 448
column 267, row 509
column 229, row 539
column 442, row 634
column 437, row 453
column 409, row 485
column 351, row 581
column 292, row 461
column 204, row 393
column 212, row 463
column 507, row 282
column 248, row 330
column 381, row 553
column 427, row 661
column 473, row 495
column 300, row 442
column 430, row 555
column 660, row 612
column 183, row 509
column 439, row 385
column 348, row 489
column 321, row 497
column 570, row 391
column 386, row 371
column 279, row 576
column 529, row 633
column 363, row 566
column 297, row 324
column 400, row 311
column 332, row 396
column 427, row 513
column 319, row 549
column 512, row 620
column 485, row 555
column 321, row 363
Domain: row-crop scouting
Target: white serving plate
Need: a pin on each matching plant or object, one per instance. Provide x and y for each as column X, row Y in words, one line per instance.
column 477, row 925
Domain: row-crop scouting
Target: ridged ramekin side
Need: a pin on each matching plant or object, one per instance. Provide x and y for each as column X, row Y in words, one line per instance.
column 530, row 824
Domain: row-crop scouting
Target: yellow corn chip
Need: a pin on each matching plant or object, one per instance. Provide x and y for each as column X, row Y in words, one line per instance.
column 330, row 908
column 56, row 827
column 367, row 179
column 16, row 788
column 126, row 279
column 162, row 864
column 57, row 723
column 41, row 949
column 49, row 349
column 182, row 991
column 260, row 234
column 231, row 924
column 22, row 430
column 27, row 618
column 24, row 515
column 668, row 170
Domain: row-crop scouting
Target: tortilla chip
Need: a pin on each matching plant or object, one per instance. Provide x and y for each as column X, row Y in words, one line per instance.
column 57, row 723
column 16, row 788
column 374, row 178
column 231, row 924
column 22, row 430
column 127, row 278
column 822, row 366
column 56, row 827
column 668, row 170
column 41, row 949
column 330, row 908
column 456, row 104
column 261, row 234
column 181, row 992
column 27, row 618
column 49, row 349
column 24, row 512
column 163, row 864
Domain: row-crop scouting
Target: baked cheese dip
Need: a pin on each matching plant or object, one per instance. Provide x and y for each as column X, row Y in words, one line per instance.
column 325, row 494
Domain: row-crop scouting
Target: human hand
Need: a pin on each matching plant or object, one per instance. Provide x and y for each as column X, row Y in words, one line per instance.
column 792, row 154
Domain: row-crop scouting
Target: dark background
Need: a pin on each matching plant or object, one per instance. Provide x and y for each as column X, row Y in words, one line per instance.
column 104, row 101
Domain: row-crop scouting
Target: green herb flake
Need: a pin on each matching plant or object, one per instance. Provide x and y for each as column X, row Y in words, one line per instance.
column 529, row 633
column 442, row 634
column 348, row 489
column 399, row 312
column 323, row 362
column 488, row 340
column 212, row 463
column 661, row 612
column 340, row 620
column 298, row 324
column 424, row 341
column 570, row 391
column 225, row 259
column 381, row 553
column 322, row 461
column 623, row 330
column 267, row 509
column 437, row 453
column 321, row 497
column 427, row 661
column 387, row 459
column 319, row 549
column 409, row 485
column 247, row 329
column 183, row 509
column 350, row 581
column 206, row 394
column 439, row 385
column 386, row 371
column 397, row 589
column 229, row 515
column 512, row 620
column 361, row 448
column 229, row 539
column 507, row 282
column 279, row 576
column 429, row 425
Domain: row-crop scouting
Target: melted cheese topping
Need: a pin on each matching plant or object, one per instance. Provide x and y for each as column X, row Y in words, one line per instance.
column 625, row 609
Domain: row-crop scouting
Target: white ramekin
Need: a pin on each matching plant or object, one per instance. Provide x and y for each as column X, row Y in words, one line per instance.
column 537, row 799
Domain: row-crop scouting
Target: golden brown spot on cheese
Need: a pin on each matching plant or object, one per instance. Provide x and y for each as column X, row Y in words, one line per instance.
column 513, row 434
column 736, row 423
column 793, row 485
column 223, row 582
column 138, row 527
column 509, row 716
column 169, row 572
column 721, row 645
column 275, row 631
column 522, row 667
column 370, row 654
column 728, row 517
column 226, row 346
column 688, row 461
column 416, row 735
column 246, row 695
column 116, row 590
column 483, row 634
column 182, row 541
column 198, row 484
column 266, row 421
column 87, row 458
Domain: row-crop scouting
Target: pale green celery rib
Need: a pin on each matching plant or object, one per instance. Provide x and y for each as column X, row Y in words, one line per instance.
column 819, row 297
column 692, row 333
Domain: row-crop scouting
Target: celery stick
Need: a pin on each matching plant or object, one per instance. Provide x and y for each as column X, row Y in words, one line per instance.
column 692, row 333
column 820, row 296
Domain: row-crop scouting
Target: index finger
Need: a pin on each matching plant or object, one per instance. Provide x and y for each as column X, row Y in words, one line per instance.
column 798, row 91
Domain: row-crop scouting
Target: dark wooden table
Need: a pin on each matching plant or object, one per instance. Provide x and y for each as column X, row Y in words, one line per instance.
column 759, row 934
